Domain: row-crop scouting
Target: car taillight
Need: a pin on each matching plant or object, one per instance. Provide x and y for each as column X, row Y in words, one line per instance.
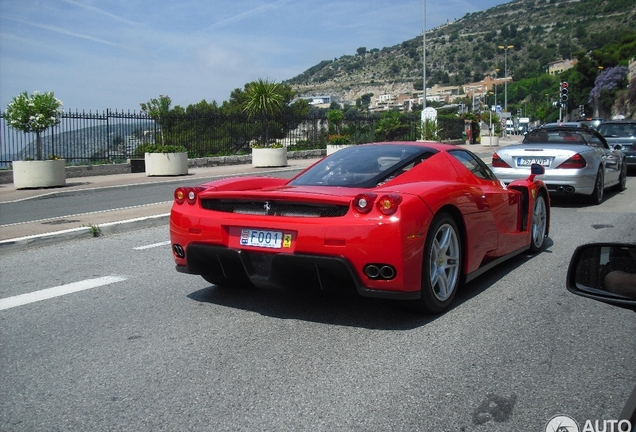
column 388, row 204
column 498, row 162
column 577, row 161
column 363, row 203
column 183, row 194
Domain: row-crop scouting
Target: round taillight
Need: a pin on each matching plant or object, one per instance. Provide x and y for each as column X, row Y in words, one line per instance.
column 179, row 195
column 184, row 194
column 388, row 204
column 363, row 203
column 192, row 196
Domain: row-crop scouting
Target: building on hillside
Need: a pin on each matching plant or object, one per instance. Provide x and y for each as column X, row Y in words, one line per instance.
column 322, row 101
column 556, row 67
column 445, row 94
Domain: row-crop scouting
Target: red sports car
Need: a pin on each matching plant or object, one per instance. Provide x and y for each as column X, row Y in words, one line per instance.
column 399, row 220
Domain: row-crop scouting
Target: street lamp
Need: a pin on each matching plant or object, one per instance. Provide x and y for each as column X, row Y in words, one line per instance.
column 506, row 48
column 424, row 60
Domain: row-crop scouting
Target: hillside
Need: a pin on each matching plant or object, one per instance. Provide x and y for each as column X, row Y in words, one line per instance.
column 466, row 50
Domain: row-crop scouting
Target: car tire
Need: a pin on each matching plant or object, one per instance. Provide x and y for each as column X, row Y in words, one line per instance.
column 597, row 194
column 441, row 265
column 539, row 224
column 622, row 179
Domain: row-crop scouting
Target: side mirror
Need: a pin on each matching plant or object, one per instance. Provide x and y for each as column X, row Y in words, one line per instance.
column 605, row 272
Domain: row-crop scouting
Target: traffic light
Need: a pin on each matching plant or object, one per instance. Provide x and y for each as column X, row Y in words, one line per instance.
column 581, row 111
column 564, row 91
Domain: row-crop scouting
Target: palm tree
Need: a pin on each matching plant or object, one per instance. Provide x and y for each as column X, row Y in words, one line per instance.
column 264, row 99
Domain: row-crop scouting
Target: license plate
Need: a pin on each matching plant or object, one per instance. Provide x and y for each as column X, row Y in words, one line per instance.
column 527, row 161
column 261, row 238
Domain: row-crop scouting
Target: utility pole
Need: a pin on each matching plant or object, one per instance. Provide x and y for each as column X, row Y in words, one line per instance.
column 506, row 48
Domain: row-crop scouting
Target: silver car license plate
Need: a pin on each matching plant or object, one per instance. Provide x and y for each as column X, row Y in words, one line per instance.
column 527, row 161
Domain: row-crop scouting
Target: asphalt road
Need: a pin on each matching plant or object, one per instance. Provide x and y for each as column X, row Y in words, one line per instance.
column 150, row 349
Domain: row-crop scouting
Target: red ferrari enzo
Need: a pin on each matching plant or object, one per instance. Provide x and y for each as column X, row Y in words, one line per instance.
column 399, row 220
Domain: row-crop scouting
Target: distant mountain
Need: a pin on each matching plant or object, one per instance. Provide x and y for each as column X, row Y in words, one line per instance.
column 467, row 50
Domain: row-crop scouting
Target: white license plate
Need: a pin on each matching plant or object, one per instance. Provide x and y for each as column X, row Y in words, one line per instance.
column 527, row 161
column 261, row 238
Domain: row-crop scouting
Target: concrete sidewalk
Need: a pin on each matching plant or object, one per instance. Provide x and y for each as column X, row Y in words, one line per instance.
column 73, row 226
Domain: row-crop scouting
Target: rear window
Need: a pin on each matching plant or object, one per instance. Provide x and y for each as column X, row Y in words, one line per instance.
column 617, row 130
column 363, row 166
column 557, row 137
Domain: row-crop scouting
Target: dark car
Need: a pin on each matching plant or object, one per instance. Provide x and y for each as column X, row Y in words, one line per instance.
column 594, row 123
column 621, row 133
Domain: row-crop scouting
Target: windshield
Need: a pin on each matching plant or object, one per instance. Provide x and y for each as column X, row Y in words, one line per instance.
column 364, row 166
column 618, row 130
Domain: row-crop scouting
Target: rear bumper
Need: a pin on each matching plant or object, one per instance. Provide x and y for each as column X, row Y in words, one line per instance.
column 557, row 181
column 261, row 269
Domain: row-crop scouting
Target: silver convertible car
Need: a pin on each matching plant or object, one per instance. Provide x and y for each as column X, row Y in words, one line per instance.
column 577, row 160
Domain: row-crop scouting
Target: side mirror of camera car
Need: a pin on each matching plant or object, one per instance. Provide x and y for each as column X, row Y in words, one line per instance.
column 605, row 272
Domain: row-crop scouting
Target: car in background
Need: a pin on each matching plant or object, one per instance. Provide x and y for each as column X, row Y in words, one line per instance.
column 621, row 135
column 401, row 220
column 594, row 123
column 577, row 160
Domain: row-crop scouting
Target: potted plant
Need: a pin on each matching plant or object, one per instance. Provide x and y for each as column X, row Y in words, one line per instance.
column 264, row 99
column 35, row 114
column 165, row 160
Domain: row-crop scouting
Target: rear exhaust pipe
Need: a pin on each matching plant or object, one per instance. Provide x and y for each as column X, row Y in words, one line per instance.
column 560, row 189
column 569, row 189
column 387, row 272
column 178, row 250
column 380, row 271
column 372, row 271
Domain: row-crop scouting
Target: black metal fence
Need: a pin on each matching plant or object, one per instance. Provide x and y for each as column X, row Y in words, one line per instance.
column 112, row 137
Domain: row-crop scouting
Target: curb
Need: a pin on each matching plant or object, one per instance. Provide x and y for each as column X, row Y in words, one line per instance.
column 37, row 240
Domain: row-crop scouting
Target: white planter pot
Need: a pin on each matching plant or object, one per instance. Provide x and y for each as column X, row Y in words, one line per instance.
column 166, row 164
column 39, row 174
column 269, row 157
column 332, row 148
column 490, row 141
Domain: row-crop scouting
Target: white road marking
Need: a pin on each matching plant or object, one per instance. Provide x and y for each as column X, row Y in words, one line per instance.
column 154, row 245
column 23, row 299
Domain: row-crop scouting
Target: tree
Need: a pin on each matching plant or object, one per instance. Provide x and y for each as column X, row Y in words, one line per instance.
column 264, row 99
column 391, row 126
column 35, row 113
column 335, row 117
column 158, row 110
column 608, row 82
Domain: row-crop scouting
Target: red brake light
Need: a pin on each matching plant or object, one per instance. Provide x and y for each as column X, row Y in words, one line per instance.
column 577, row 162
column 363, row 203
column 498, row 162
column 388, row 204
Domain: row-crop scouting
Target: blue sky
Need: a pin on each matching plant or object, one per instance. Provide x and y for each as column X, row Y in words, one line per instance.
column 115, row 54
